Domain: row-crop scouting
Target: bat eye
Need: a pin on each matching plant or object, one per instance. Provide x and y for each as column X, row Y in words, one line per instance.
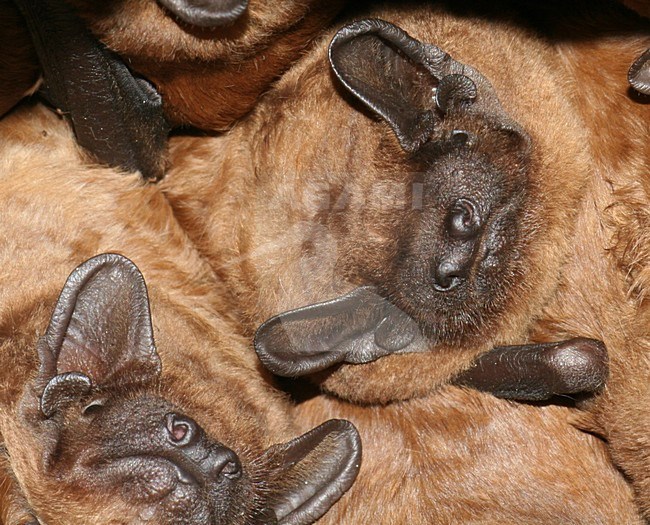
column 93, row 407
column 463, row 220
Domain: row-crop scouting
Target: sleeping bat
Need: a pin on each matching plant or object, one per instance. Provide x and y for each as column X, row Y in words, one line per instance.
column 473, row 170
column 170, row 470
column 441, row 228
column 126, row 402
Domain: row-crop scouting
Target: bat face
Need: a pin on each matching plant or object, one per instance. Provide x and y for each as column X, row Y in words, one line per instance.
column 459, row 250
column 433, row 222
column 100, row 426
column 449, row 258
column 459, row 253
column 145, row 452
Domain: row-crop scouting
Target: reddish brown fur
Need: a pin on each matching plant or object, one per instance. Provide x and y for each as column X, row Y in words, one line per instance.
column 57, row 212
column 14, row 509
column 459, row 456
column 207, row 78
column 603, row 286
column 589, row 273
column 210, row 78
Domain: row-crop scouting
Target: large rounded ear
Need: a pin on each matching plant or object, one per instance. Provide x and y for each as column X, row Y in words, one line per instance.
column 410, row 84
column 537, row 372
column 358, row 327
column 639, row 73
column 115, row 116
column 100, row 334
column 312, row 472
column 206, row 13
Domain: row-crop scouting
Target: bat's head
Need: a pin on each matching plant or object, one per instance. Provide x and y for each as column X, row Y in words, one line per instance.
column 118, row 446
column 459, row 242
column 458, row 215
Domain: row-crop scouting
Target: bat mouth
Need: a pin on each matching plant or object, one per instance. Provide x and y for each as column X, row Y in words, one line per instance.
column 151, row 478
column 206, row 13
column 213, row 465
column 168, row 488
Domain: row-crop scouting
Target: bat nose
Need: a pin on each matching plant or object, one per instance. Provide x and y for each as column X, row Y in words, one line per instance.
column 221, row 463
column 208, row 461
column 462, row 231
column 450, row 272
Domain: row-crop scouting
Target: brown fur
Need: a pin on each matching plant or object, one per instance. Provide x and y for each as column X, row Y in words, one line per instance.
column 207, row 78
column 603, row 285
column 254, row 201
column 57, row 212
column 312, row 223
column 14, row 509
column 459, row 456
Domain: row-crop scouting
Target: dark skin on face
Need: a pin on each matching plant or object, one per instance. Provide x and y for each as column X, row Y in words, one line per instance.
column 150, row 454
column 458, row 253
column 456, row 257
column 107, row 430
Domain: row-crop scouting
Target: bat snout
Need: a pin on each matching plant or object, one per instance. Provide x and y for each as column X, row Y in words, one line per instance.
column 463, row 228
column 449, row 274
column 204, row 461
column 220, row 464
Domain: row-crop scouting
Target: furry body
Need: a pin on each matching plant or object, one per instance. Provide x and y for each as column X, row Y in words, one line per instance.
column 58, row 211
column 309, row 191
column 208, row 78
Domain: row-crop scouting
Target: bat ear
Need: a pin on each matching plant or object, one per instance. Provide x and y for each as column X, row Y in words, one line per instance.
column 312, row 472
column 100, row 333
column 355, row 328
column 381, row 65
column 206, row 13
column 639, row 73
column 537, row 372
column 410, row 84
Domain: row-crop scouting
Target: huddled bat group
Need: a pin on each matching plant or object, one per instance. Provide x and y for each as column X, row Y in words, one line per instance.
column 129, row 402
column 434, row 199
